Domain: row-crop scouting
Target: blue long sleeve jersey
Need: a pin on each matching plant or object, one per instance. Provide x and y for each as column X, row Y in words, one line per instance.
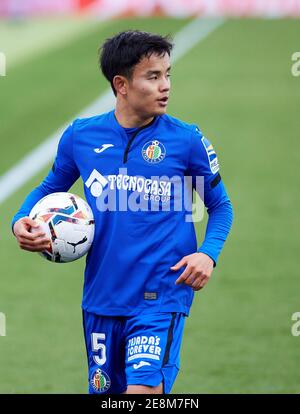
column 139, row 183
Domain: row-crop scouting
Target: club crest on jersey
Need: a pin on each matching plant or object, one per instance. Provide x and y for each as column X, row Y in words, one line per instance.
column 153, row 152
column 100, row 381
column 211, row 154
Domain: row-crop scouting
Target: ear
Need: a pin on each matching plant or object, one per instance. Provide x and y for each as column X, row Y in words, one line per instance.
column 120, row 83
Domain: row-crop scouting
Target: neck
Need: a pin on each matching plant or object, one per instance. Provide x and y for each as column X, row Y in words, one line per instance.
column 127, row 118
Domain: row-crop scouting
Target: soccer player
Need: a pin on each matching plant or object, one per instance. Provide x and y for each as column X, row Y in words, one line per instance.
column 144, row 265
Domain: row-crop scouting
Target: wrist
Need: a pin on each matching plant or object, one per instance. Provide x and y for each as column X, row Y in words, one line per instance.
column 209, row 256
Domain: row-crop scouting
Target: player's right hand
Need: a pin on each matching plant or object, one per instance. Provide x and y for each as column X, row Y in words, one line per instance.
column 33, row 242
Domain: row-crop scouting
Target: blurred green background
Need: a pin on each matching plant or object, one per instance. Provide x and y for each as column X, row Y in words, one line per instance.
column 237, row 86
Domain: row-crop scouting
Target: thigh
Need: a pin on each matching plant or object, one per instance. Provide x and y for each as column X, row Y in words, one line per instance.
column 105, row 348
column 153, row 349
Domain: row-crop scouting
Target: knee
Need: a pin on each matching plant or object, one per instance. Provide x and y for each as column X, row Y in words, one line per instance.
column 143, row 389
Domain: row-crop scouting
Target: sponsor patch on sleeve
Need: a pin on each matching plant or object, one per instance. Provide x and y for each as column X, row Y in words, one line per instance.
column 211, row 154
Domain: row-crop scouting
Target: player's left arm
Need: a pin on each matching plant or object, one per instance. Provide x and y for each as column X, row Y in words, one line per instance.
column 63, row 174
column 203, row 162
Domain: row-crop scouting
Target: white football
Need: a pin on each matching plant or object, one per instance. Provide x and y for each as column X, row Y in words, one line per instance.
column 68, row 222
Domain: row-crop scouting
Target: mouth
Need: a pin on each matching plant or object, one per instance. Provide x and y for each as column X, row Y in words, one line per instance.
column 163, row 101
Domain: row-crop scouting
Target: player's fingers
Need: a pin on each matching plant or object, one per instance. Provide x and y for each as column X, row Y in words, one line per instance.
column 195, row 283
column 204, row 281
column 196, row 286
column 34, row 248
column 201, row 284
column 179, row 264
column 193, row 278
column 31, row 236
column 28, row 221
column 35, row 243
column 184, row 275
column 40, row 241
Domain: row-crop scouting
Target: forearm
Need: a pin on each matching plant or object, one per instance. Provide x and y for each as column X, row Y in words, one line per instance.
column 218, row 226
column 57, row 180
column 37, row 194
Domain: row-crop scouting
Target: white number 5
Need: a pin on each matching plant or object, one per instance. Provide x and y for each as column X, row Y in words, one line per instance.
column 96, row 346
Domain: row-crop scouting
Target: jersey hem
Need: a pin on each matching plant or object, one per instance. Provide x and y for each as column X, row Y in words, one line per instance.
column 133, row 312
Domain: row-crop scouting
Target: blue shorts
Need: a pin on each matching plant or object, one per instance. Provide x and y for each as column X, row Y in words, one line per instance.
column 138, row 350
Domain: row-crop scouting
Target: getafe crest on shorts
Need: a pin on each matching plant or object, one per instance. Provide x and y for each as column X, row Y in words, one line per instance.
column 100, row 381
column 153, row 152
column 212, row 156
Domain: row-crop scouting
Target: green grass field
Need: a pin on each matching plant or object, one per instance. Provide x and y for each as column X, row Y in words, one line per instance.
column 237, row 85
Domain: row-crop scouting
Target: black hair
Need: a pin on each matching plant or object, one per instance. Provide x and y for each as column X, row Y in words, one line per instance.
column 120, row 53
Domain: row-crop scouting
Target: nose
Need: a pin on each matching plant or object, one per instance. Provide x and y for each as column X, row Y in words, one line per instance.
column 165, row 84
